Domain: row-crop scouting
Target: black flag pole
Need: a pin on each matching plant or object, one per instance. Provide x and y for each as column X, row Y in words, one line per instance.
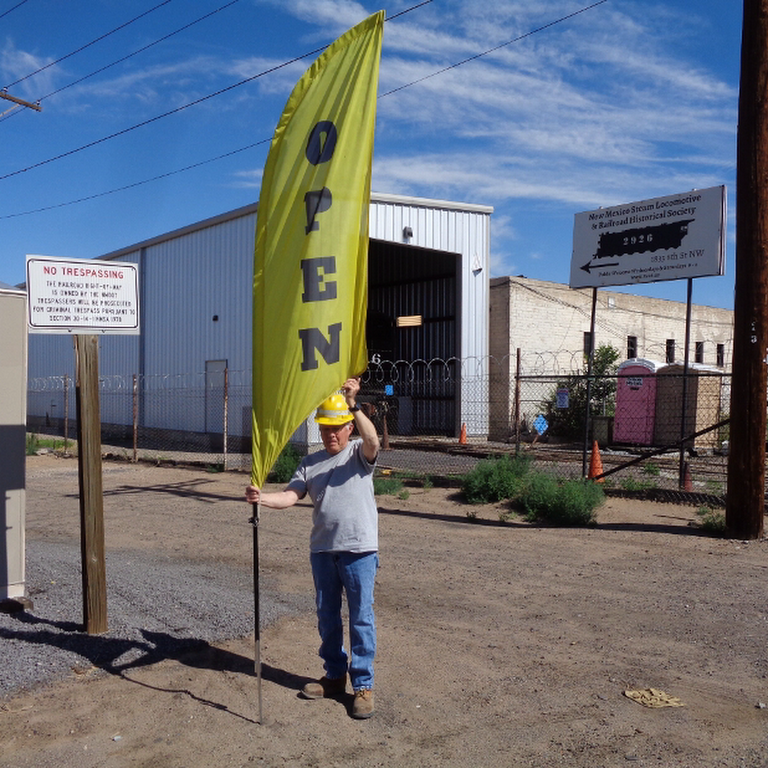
column 257, row 604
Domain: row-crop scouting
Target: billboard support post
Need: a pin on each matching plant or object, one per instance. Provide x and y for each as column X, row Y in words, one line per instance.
column 686, row 362
column 590, row 361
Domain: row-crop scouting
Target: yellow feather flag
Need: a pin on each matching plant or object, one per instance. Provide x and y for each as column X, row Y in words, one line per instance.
column 311, row 257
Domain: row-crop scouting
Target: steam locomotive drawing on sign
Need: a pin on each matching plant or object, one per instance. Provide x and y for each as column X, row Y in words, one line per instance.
column 642, row 239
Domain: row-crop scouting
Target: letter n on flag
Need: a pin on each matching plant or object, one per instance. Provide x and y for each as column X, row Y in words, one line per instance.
column 311, row 257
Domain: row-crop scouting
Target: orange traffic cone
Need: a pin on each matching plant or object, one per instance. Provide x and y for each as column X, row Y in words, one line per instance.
column 687, row 482
column 596, row 464
column 463, row 435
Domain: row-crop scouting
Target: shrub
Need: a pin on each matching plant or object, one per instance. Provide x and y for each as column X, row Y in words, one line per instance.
column 286, row 464
column 569, row 422
column 495, row 479
column 539, row 496
column 572, row 502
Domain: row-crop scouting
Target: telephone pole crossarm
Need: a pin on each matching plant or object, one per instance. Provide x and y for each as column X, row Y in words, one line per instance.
column 7, row 96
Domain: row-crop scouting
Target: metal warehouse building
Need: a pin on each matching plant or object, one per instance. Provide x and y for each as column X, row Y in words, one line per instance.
column 427, row 322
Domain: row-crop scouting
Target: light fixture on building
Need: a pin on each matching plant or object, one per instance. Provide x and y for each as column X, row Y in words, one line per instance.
column 408, row 321
column 407, row 234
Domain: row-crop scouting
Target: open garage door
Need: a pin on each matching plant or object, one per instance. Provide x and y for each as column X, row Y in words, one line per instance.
column 412, row 336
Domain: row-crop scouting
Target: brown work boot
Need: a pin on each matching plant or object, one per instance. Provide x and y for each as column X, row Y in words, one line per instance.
column 325, row 687
column 362, row 707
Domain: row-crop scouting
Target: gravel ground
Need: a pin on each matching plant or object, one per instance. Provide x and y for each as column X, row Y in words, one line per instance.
column 157, row 608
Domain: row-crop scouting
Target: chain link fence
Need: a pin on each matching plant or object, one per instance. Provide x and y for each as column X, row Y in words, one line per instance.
column 439, row 418
column 665, row 435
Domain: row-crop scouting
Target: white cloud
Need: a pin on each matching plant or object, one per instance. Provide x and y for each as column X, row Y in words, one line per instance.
column 16, row 64
column 249, row 179
column 584, row 114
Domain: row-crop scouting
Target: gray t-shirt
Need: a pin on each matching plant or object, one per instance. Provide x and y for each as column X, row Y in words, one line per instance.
column 345, row 518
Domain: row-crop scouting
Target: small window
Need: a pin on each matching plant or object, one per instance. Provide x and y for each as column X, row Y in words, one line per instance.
column 670, row 350
column 721, row 355
column 587, row 343
column 631, row 346
column 699, row 352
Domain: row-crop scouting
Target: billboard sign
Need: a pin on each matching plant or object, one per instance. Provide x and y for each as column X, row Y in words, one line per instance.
column 664, row 238
column 82, row 296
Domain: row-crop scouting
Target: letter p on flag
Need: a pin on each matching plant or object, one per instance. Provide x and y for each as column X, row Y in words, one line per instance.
column 310, row 278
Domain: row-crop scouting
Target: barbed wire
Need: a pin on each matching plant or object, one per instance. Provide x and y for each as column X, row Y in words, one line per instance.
column 420, row 371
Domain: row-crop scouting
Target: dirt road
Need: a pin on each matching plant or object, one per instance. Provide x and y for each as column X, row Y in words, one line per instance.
column 500, row 643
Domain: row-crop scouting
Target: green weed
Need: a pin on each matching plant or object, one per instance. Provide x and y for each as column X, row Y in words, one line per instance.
column 633, row 484
column 387, row 486
column 711, row 521
column 715, row 487
column 33, row 444
column 36, row 443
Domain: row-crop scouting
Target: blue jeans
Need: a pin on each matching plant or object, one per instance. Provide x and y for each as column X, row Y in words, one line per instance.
column 334, row 573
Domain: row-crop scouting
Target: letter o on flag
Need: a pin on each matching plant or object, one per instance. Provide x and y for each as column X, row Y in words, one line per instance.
column 322, row 142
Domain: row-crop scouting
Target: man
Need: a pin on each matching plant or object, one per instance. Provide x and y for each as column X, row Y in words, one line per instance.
column 343, row 543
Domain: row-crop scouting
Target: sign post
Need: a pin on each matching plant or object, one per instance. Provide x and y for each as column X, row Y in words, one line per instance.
column 648, row 241
column 86, row 298
column 94, row 572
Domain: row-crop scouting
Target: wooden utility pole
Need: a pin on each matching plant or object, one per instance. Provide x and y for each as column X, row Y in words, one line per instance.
column 91, row 495
column 745, row 506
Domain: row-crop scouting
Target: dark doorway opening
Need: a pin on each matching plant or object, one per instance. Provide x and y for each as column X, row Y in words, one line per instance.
column 414, row 296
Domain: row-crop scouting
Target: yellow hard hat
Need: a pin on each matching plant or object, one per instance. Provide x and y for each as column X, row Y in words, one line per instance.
column 333, row 411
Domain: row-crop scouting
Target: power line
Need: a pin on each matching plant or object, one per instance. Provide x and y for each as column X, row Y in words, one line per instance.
column 158, row 117
column 182, row 107
column 141, row 50
column 18, row 5
column 495, row 48
column 87, row 45
column 131, row 55
column 137, row 183
column 238, row 84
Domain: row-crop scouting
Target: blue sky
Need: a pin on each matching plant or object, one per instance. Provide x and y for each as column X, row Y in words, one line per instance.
column 631, row 99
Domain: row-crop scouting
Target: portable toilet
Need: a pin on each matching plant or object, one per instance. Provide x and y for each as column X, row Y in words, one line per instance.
column 636, row 402
column 702, row 404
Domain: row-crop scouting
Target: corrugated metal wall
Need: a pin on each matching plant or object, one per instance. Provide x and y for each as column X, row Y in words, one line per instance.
column 461, row 229
column 195, row 299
